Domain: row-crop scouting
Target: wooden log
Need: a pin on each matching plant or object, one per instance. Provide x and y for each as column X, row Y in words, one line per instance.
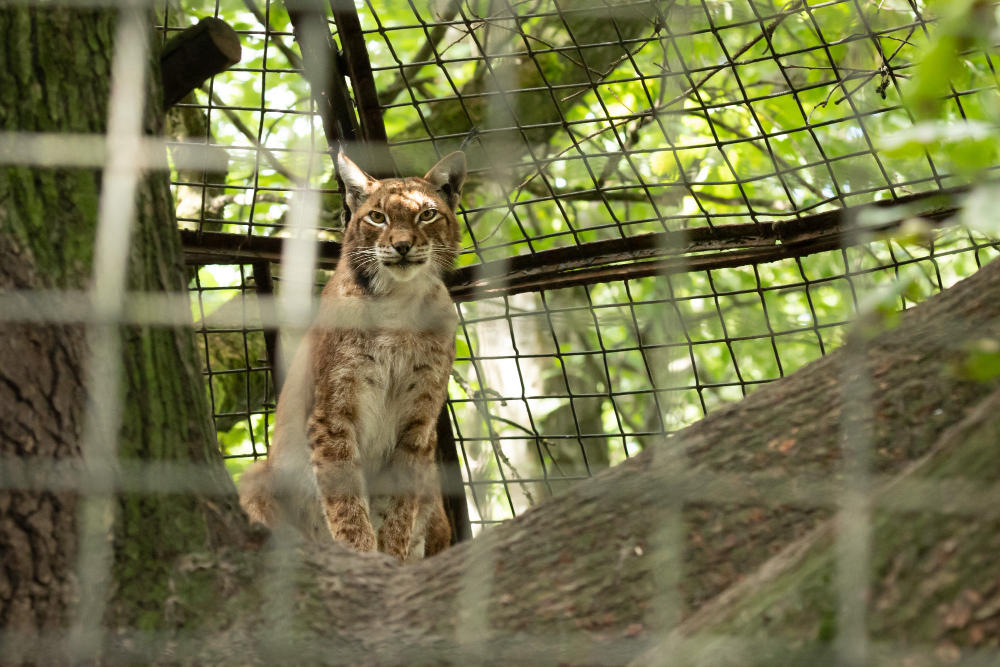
column 195, row 55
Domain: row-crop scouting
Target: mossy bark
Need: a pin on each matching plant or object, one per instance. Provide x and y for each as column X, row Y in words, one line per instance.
column 934, row 576
column 55, row 69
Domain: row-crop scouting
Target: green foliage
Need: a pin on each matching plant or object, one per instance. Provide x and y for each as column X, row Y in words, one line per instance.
column 242, row 442
column 964, row 25
column 879, row 310
column 981, row 362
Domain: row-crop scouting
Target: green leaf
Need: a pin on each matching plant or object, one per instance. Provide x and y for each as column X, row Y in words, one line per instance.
column 981, row 361
column 981, row 212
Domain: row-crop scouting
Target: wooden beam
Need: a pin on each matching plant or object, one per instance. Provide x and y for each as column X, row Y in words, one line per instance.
column 323, row 71
column 264, row 283
column 625, row 258
column 453, row 489
column 577, row 264
column 379, row 162
column 224, row 248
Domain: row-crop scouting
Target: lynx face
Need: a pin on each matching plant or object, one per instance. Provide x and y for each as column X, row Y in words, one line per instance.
column 402, row 228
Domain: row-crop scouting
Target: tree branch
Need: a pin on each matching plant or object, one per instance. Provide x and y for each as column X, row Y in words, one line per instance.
column 428, row 49
column 238, row 123
column 293, row 58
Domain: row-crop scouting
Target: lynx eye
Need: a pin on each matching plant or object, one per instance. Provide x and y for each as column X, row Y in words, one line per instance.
column 428, row 215
column 376, row 218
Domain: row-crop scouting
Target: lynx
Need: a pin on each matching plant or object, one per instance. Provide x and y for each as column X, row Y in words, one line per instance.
column 353, row 456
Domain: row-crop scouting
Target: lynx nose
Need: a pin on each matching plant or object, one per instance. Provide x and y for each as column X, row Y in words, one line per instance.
column 402, row 247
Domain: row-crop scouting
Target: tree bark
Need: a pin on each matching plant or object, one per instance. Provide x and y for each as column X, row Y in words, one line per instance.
column 600, row 574
column 54, row 77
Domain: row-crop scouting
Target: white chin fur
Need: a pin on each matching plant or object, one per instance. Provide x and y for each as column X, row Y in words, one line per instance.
column 403, row 273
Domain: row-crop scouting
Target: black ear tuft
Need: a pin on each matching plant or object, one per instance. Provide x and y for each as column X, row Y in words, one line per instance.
column 357, row 184
column 447, row 176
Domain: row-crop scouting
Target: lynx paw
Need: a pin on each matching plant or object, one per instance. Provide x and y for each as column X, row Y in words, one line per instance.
column 361, row 536
column 395, row 547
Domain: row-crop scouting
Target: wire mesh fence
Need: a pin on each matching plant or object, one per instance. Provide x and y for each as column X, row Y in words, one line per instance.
column 584, row 124
column 646, row 125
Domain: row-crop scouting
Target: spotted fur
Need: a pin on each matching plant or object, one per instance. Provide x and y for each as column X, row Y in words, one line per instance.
column 355, row 443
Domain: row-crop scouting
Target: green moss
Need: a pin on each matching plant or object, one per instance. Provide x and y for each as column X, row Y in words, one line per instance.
column 148, row 620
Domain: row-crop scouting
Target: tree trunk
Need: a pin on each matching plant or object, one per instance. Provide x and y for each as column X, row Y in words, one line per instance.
column 54, row 77
column 600, row 574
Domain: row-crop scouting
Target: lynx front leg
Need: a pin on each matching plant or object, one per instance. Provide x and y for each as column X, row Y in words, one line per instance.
column 410, row 468
column 340, row 478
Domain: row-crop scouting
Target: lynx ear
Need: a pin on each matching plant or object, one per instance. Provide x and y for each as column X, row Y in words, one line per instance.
column 447, row 177
column 357, row 184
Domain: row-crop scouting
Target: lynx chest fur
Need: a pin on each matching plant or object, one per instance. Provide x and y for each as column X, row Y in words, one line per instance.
column 398, row 375
column 354, row 454
column 398, row 369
